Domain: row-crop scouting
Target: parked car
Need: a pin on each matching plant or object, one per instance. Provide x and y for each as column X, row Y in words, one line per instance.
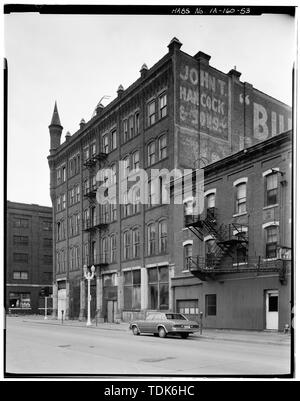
column 164, row 323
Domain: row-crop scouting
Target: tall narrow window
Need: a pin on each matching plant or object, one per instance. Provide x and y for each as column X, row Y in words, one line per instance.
column 210, row 255
column 86, row 153
column 151, row 239
column 58, row 176
column 77, row 193
column 163, row 105
column 271, row 189
column 113, row 209
column 162, row 147
column 136, row 243
column 126, row 205
column 105, row 144
column 188, row 253
column 63, row 201
column 130, row 123
column 127, row 244
column 105, row 250
column 132, row 290
column 158, row 288
column 125, row 130
column 137, row 123
column 163, row 236
column 210, row 305
column 93, row 149
column 136, row 160
column 113, row 248
column 271, row 242
column 136, row 201
column 63, row 173
column 210, row 206
column 151, row 153
column 151, row 113
column 113, row 139
column 240, row 200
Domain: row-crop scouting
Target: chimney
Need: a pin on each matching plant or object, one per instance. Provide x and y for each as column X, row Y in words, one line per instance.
column 82, row 123
column 174, row 45
column 120, row 90
column 235, row 74
column 67, row 136
column 203, row 58
column 144, row 70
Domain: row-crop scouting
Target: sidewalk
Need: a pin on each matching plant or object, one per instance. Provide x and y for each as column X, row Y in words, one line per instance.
column 242, row 336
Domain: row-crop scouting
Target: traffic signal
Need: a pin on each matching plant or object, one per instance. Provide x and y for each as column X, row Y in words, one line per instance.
column 45, row 292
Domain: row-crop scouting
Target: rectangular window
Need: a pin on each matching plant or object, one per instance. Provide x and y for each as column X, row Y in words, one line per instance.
column 19, row 300
column 162, row 145
column 188, row 253
column 136, row 160
column 163, row 105
column 163, row 237
column 21, row 223
column 125, row 130
column 63, row 172
column 136, row 243
column 210, row 305
column 20, row 275
column 21, row 257
column 105, row 250
column 127, row 245
column 113, row 139
column 114, row 209
column 105, row 144
column 86, row 153
column 21, row 240
column 151, row 153
column 271, row 242
column 271, row 190
column 58, row 204
column 93, row 149
column 113, row 248
column 240, row 202
column 64, row 201
column 132, row 290
column 130, row 122
column 151, row 113
column 151, row 239
column 158, row 288
column 58, row 176
column 77, row 188
column 137, row 123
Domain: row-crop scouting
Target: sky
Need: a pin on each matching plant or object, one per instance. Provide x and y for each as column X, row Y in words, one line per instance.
column 76, row 60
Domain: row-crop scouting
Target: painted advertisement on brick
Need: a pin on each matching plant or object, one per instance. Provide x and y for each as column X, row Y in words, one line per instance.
column 257, row 116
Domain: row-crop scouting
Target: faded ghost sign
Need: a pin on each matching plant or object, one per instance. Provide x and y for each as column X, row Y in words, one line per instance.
column 203, row 99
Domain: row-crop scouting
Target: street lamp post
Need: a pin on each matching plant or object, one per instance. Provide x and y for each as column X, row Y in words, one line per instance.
column 89, row 276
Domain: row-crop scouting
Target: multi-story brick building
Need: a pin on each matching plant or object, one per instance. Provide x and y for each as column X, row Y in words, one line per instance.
column 28, row 256
column 177, row 113
column 233, row 260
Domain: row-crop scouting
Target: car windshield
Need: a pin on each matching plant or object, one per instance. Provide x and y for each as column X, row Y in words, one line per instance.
column 175, row 316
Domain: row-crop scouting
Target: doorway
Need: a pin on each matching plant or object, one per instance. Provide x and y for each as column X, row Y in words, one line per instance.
column 111, row 311
column 61, row 302
column 272, row 298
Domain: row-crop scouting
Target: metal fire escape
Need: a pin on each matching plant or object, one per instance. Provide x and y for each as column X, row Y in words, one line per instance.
column 221, row 257
column 94, row 223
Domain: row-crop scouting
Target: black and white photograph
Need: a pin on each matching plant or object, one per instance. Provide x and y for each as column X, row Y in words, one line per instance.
column 149, row 184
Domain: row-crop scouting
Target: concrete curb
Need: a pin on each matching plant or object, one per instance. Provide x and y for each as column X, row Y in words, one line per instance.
column 204, row 336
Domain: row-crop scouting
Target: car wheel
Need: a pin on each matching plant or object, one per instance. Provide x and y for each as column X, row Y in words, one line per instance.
column 162, row 332
column 135, row 331
column 184, row 335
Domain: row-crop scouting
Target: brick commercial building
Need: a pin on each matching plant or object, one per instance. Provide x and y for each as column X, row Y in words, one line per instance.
column 233, row 260
column 178, row 114
column 28, row 256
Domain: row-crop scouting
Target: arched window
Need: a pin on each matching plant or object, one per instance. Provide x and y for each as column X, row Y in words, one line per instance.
column 136, row 201
column 113, row 248
column 151, row 153
column 136, row 243
column 127, row 244
column 163, row 236
column 151, row 239
column 188, row 253
column 105, row 250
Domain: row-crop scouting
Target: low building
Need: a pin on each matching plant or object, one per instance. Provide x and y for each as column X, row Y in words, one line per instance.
column 28, row 267
column 234, row 262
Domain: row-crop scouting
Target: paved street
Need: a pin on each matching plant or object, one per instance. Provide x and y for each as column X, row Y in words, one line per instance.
column 33, row 347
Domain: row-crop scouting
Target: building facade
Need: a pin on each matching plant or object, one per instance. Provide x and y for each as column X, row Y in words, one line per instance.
column 29, row 268
column 178, row 114
column 234, row 263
